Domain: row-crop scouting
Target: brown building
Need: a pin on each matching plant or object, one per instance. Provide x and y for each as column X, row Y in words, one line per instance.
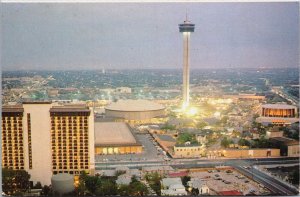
column 278, row 114
column 115, row 138
column 249, row 153
column 288, row 147
column 45, row 138
column 278, row 110
column 70, row 139
column 187, row 151
column 13, row 138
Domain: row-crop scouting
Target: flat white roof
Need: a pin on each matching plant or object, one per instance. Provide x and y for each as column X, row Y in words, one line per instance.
column 279, row 106
column 108, row 133
column 271, row 119
column 134, row 105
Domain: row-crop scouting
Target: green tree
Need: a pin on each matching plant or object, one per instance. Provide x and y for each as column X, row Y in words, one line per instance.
column 294, row 177
column 154, row 181
column 195, row 191
column 91, row 183
column 38, row 185
column 14, row 181
column 107, row 187
column 168, row 127
column 46, row 190
column 225, row 142
column 186, row 137
column 124, row 190
column 137, row 188
column 201, row 125
column 185, row 180
column 243, row 142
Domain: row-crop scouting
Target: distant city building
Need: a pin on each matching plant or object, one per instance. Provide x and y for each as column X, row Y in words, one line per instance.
column 115, row 138
column 135, row 110
column 52, row 92
column 45, row 139
column 124, row 90
column 278, row 114
column 245, row 97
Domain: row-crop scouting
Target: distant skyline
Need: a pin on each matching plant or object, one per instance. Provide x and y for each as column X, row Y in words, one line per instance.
column 145, row 35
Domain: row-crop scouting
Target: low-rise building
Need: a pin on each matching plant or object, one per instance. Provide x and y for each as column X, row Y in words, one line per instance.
column 161, row 170
column 201, row 139
column 288, row 147
column 274, row 133
column 115, row 138
column 197, row 183
column 172, row 187
column 187, row 151
column 248, row 153
column 293, row 149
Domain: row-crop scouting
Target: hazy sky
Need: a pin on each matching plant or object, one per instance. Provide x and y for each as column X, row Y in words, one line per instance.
column 145, row 35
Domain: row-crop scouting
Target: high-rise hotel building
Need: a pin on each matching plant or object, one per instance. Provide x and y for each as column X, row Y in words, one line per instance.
column 45, row 138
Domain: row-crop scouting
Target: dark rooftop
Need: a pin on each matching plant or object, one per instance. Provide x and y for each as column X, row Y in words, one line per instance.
column 166, row 138
column 15, row 108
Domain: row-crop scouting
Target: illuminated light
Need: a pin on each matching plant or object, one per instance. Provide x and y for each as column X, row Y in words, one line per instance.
column 217, row 114
column 192, row 111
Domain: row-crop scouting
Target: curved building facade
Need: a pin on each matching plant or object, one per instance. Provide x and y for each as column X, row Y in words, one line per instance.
column 279, row 110
column 135, row 110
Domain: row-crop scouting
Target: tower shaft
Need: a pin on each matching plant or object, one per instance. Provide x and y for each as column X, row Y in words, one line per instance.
column 186, row 69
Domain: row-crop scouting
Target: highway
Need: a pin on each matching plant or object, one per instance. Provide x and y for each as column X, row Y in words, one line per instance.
column 193, row 163
column 268, row 181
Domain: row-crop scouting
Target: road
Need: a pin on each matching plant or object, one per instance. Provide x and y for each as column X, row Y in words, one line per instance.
column 268, row 181
column 194, row 163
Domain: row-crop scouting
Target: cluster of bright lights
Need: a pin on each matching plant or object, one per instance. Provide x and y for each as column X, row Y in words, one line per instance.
column 189, row 111
column 192, row 111
column 217, row 114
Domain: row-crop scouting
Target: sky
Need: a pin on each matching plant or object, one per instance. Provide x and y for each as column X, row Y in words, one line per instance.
column 72, row 36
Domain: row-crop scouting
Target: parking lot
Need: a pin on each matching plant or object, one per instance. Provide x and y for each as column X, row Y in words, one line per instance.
column 150, row 152
column 226, row 180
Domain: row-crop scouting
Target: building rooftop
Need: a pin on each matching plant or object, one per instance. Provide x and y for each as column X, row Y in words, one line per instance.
column 36, row 102
column 113, row 133
column 178, row 174
column 285, row 140
column 157, row 168
column 167, row 182
column 70, row 108
column 279, row 106
column 12, row 108
column 230, row 193
column 134, row 106
column 166, row 138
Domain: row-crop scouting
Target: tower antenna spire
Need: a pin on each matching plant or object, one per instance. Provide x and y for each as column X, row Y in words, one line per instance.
column 186, row 15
